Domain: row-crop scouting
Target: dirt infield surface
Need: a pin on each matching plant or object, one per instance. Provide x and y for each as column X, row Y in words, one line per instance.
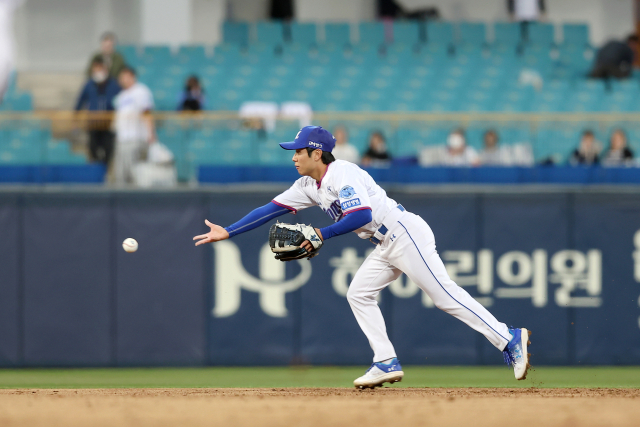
column 301, row 407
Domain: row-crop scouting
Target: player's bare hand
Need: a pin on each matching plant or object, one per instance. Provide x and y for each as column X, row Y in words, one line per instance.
column 216, row 234
column 307, row 244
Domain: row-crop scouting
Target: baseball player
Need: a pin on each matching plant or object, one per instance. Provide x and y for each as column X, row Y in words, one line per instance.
column 133, row 124
column 404, row 244
column 7, row 8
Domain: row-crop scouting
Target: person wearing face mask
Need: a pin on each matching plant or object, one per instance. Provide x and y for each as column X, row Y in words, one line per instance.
column 97, row 95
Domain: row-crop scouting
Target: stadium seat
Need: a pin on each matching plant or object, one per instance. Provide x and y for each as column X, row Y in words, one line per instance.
column 540, row 33
column 406, row 32
column 303, row 33
column 337, row 34
column 439, row 33
column 158, row 55
column 235, row 33
column 507, row 34
column 269, row 150
column 129, row 52
column 371, row 33
column 193, row 56
column 59, row 153
column 575, row 34
column 556, row 143
column 270, row 33
column 472, row 34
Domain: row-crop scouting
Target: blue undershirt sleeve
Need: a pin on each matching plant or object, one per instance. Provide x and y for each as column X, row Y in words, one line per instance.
column 256, row 218
column 350, row 222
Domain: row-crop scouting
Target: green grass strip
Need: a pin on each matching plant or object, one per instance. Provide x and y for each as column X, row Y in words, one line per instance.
column 415, row 376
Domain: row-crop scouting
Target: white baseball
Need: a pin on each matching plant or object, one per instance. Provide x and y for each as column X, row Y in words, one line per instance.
column 130, row 245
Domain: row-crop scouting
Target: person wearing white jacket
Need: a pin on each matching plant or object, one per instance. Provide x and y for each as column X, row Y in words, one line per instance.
column 7, row 7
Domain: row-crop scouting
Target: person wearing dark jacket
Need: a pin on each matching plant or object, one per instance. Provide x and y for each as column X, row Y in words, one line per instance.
column 377, row 153
column 615, row 59
column 97, row 95
column 192, row 98
column 587, row 152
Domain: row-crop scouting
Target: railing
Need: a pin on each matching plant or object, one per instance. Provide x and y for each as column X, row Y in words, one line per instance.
column 224, row 138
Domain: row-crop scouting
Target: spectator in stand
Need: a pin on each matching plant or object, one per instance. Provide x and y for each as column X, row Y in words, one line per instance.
column 112, row 60
column 343, row 150
column 615, row 59
column 97, row 95
column 455, row 153
column 134, row 126
column 193, row 96
column 526, row 10
column 587, row 152
column 618, row 154
column 492, row 154
column 376, row 154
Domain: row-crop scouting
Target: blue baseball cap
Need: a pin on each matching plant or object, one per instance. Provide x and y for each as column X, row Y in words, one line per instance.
column 311, row 137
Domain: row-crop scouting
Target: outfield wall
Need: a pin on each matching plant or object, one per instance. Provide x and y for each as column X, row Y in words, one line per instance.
column 563, row 262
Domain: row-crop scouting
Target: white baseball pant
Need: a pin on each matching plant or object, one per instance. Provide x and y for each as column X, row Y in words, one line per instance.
column 127, row 156
column 409, row 246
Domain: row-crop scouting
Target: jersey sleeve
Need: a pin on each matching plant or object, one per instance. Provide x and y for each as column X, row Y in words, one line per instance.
column 295, row 198
column 352, row 193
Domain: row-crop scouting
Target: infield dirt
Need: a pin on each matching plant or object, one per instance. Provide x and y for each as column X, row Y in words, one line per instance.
column 320, row 407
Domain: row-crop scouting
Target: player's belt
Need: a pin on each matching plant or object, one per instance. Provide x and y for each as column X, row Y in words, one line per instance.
column 377, row 236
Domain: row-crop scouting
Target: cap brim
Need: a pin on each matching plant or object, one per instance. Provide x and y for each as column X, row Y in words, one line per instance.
column 292, row 145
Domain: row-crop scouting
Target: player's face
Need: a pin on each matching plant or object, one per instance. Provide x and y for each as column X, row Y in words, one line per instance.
column 305, row 164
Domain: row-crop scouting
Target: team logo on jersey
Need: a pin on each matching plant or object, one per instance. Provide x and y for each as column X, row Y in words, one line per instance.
column 347, row 192
column 350, row 204
column 315, row 144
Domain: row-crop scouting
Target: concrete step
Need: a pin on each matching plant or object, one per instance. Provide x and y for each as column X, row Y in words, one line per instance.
column 52, row 91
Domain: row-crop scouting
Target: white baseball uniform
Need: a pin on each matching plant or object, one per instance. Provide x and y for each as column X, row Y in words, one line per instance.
column 406, row 245
column 7, row 8
column 131, row 130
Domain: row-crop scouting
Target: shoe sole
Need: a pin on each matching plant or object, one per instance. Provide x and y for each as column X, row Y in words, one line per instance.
column 391, row 377
column 525, row 346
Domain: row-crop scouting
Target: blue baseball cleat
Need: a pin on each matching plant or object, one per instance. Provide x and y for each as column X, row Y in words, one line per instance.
column 515, row 353
column 380, row 373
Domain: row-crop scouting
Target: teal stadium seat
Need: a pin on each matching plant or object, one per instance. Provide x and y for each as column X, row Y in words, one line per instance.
column 270, row 33
column 158, row 55
column 409, row 142
column 236, row 33
column 304, row 34
column 439, row 33
column 556, row 143
column 192, row 56
column 540, row 33
column 406, row 32
column 59, row 153
column 575, row 34
column 506, row 34
column 130, row 53
column 269, row 150
column 222, row 147
column 337, row 34
column 473, row 34
column 371, row 34
column 16, row 100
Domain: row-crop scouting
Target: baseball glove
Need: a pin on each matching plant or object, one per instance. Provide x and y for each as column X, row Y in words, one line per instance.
column 285, row 241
